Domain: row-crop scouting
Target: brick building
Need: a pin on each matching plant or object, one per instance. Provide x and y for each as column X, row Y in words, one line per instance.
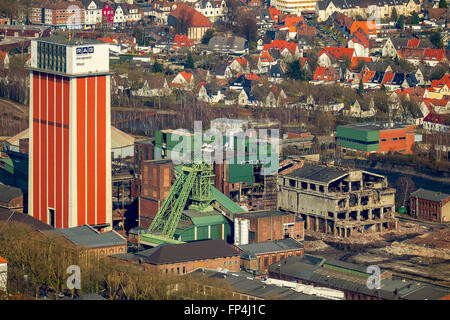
column 183, row 258
column 352, row 279
column 430, row 205
column 11, row 198
column 259, row 256
column 154, row 183
column 270, row 226
column 92, row 242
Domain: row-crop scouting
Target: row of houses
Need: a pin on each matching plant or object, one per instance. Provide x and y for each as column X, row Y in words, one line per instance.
column 84, row 14
column 372, row 9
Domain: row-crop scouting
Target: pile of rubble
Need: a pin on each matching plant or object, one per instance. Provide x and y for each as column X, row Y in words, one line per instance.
column 316, row 245
column 437, row 239
column 401, row 248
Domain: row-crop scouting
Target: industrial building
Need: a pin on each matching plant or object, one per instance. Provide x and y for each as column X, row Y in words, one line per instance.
column 351, row 279
column 339, row 201
column 259, row 256
column 91, row 242
column 261, row 226
column 183, row 258
column 243, row 287
column 430, row 205
column 376, row 138
column 69, row 139
column 11, row 198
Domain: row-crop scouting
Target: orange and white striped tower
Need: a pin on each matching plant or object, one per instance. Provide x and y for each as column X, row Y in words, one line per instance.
column 70, row 133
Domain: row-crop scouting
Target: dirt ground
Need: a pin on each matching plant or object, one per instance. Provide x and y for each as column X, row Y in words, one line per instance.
column 414, row 251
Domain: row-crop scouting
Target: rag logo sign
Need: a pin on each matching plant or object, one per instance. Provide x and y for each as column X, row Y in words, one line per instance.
column 85, row 50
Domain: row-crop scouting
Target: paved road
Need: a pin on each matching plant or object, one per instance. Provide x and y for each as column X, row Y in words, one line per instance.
column 433, row 225
column 12, row 105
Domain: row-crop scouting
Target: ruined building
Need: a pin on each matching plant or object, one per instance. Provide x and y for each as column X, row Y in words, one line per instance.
column 337, row 200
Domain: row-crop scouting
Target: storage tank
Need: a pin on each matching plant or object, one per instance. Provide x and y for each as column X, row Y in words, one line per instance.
column 245, row 224
column 237, row 234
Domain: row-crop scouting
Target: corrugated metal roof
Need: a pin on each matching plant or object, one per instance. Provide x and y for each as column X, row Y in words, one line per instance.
column 226, row 202
column 8, row 193
column 86, row 236
column 272, row 246
column 430, row 195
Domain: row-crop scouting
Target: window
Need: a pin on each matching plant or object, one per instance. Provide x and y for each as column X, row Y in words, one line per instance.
column 184, row 269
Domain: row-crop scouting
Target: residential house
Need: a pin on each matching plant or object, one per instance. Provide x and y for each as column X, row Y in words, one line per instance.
column 207, row 94
column 214, row 10
column 156, row 87
column 93, row 12
column 4, row 60
column 265, row 62
column 120, row 15
column 246, row 98
column 229, row 45
column 325, row 75
column 355, row 111
column 222, row 71
column 132, row 13
column 161, row 10
column 276, row 98
column 276, row 73
column 360, row 43
column 243, row 81
column 375, row 9
column 332, row 55
column 240, row 65
column 437, row 122
column 286, row 48
column 183, row 80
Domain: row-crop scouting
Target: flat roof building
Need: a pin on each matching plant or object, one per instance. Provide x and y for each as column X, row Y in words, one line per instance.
column 376, row 138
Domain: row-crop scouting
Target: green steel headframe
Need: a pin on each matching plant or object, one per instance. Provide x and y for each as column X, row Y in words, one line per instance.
column 192, row 183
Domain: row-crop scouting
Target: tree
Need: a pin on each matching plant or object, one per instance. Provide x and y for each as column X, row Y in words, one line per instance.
column 405, row 185
column 157, row 67
column 207, row 36
column 360, row 88
column 189, row 64
column 415, row 18
column 443, row 4
column 394, row 15
column 436, row 40
column 295, row 71
column 246, row 22
column 401, row 22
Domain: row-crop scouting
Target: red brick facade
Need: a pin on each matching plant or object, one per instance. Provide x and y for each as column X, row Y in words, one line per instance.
column 427, row 209
column 274, row 227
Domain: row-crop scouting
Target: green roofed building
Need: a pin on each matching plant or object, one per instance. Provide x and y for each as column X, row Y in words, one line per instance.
column 376, row 137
